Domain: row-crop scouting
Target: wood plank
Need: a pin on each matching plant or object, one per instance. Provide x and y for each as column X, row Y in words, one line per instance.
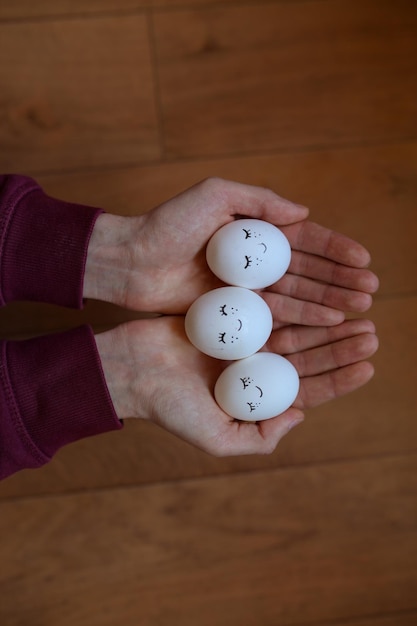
column 198, row 4
column 376, row 420
column 408, row 618
column 27, row 9
column 20, row 320
column 72, row 98
column 202, row 4
column 286, row 75
column 309, row 545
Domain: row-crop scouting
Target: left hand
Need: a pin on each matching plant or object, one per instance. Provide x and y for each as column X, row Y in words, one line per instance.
column 153, row 372
column 156, row 262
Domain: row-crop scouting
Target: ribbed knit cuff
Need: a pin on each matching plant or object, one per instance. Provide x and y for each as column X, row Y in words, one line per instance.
column 59, row 389
column 43, row 245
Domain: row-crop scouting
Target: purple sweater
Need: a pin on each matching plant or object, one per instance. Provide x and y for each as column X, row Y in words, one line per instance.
column 52, row 389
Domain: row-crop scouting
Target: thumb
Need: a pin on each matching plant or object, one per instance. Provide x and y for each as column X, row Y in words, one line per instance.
column 260, row 203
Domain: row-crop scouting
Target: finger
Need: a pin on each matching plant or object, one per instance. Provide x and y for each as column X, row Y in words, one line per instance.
column 256, row 202
column 288, row 310
column 316, row 390
column 291, row 339
column 313, row 291
column 334, row 355
column 315, row 239
column 313, row 266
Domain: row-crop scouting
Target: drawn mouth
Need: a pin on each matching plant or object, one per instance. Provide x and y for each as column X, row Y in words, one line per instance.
column 240, row 325
column 264, row 246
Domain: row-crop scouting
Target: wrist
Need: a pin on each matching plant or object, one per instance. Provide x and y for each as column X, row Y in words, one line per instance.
column 116, row 370
column 108, row 264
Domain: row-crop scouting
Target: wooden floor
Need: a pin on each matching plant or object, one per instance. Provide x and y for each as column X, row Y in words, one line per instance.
column 122, row 104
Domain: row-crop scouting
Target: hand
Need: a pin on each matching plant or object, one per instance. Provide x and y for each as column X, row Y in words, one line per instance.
column 156, row 262
column 153, row 372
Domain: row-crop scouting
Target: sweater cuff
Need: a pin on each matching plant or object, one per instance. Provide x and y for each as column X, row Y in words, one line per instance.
column 57, row 385
column 43, row 245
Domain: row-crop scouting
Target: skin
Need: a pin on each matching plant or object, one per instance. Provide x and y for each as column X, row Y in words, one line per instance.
column 156, row 263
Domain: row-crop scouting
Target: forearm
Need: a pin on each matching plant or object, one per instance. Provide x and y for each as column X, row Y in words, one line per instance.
column 52, row 392
column 43, row 244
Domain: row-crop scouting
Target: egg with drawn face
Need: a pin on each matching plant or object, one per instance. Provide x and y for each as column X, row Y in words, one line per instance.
column 257, row 388
column 228, row 323
column 248, row 253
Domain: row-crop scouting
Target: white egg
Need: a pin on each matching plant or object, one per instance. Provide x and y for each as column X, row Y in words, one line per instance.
column 228, row 323
column 257, row 388
column 248, row 253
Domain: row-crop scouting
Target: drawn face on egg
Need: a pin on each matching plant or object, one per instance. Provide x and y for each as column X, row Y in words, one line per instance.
column 232, row 324
column 248, row 253
column 257, row 388
column 228, row 323
column 255, row 250
column 253, row 393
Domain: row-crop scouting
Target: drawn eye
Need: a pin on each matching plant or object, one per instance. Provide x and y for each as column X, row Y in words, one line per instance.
column 223, row 309
column 221, row 337
column 248, row 262
column 251, row 406
column 261, row 393
column 248, row 233
column 245, row 382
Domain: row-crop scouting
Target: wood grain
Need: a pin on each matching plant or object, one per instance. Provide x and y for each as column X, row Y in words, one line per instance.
column 76, row 93
column 313, row 544
column 285, row 75
column 122, row 104
column 406, row 618
column 26, row 9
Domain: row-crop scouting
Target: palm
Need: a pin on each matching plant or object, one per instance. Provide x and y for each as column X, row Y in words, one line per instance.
column 327, row 274
column 179, row 380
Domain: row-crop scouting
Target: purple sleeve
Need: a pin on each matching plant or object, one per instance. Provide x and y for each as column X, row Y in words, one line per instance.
column 52, row 389
column 52, row 392
column 43, row 244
